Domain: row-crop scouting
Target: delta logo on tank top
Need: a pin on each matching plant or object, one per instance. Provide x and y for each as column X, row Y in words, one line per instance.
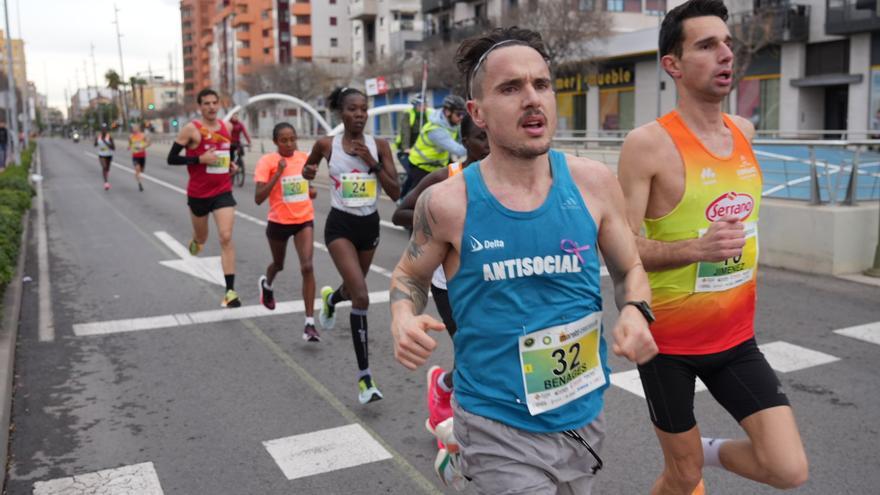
column 708, row 307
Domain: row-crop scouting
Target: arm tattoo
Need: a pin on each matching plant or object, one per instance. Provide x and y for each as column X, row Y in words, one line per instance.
column 422, row 218
column 418, row 294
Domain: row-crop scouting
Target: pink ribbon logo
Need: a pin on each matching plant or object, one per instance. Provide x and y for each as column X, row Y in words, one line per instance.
column 572, row 247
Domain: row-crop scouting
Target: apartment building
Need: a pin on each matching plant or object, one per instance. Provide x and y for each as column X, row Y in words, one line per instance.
column 197, row 33
column 382, row 29
column 19, row 63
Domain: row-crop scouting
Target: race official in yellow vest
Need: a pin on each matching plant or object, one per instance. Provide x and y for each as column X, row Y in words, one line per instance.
column 438, row 140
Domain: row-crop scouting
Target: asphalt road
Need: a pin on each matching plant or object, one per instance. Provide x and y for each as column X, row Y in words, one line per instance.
column 196, row 400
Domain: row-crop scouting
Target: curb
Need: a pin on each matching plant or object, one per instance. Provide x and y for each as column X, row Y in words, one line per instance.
column 8, row 334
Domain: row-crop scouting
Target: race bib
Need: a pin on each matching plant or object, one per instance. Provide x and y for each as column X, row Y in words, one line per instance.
column 717, row 276
column 358, row 189
column 561, row 363
column 222, row 165
column 294, row 189
column 138, row 146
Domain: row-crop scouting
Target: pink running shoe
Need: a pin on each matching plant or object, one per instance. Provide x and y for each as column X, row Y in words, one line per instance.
column 439, row 406
column 106, row 186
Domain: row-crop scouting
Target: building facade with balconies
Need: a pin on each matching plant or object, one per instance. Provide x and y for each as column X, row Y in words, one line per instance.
column 381, row 29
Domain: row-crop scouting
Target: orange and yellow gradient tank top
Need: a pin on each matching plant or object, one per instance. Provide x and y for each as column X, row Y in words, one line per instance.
column 707, row 307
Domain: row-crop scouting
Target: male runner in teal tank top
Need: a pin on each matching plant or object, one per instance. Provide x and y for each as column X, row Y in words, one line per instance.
column 517, row 235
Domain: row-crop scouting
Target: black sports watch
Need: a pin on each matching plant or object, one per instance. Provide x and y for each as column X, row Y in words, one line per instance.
column 643, row 308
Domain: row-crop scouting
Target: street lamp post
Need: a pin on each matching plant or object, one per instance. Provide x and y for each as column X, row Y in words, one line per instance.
column 121, row 69
column 11, row 103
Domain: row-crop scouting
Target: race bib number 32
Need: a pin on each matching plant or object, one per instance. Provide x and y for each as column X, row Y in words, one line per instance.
column 717, row 276
column 561, row 363
column 222, row 165
column 294, row 189
column 358, row 189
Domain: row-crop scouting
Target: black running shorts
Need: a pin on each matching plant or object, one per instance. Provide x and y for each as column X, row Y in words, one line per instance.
column 739, row 378
column 441, row 299
column 363, row 232
column 139, row 160
column 284, row 231
column 202, row 206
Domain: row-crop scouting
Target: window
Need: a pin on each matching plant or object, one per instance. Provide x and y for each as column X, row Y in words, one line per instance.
column 303, row 40
column 332, row 21
column 357, row 30
column 267, row 50
column 334, row 42
column 381, row 20
column 758, row 100
column 334, row 60
column 264, row 15
column 267, row 33
column 303, row 19
column 332, row 2
column 245, row 61
column 245, row 44
column 614, row 5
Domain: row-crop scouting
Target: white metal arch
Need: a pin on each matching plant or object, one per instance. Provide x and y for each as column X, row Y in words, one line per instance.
column 382, row 110
column 281, row 96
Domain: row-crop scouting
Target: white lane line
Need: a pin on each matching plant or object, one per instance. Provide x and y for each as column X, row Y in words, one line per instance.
column 785, row 357
column 629, row 381
column 869, row 333
column 201, row 317
column 324, row 451
column 376, row 269
column 136, row 479
column 46, row 325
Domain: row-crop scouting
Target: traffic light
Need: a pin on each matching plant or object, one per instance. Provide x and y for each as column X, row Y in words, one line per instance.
column 173, row 122
column 151, row 106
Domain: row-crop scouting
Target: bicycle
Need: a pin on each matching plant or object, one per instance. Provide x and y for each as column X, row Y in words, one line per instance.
column 238, row 177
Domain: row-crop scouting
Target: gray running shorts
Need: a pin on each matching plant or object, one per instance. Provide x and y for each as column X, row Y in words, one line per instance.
column 502, row 460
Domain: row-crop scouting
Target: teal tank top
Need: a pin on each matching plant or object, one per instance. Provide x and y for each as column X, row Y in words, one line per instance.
column 522, row 272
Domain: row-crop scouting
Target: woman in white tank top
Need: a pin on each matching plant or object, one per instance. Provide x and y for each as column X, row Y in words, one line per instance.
column 359, row 165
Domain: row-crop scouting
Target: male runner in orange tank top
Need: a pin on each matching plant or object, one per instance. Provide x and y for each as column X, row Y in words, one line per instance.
column 692, row 180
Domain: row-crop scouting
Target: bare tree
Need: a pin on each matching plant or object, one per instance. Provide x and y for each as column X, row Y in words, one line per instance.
column 754, row 32
column 567, row 26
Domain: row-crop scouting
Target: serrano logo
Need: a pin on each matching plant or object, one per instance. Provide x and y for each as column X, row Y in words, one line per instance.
column 732, row 203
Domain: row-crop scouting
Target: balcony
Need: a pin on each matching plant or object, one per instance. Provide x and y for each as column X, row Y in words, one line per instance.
column 300, row 8
column 778, row 21
column 303, row 52
column 363, row 9
column 851, row 16
column 302, row 29
column 457, row 31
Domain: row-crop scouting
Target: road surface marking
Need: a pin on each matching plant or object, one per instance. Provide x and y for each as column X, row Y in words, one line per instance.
column 140, row 479
column 208, row 268
column 629, row 381
column 323, row 451
column 784, row 357
column 869, row 333
column 46, row 326
column 202, row 317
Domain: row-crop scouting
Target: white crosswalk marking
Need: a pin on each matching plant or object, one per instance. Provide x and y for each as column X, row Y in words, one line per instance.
column 785, row 357
column 869, row 333
column 782, row 356
column 629, row 381
column 324, row 451
column 137, row 479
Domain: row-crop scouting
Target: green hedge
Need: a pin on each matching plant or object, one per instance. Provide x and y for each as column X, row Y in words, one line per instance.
column 15, row 199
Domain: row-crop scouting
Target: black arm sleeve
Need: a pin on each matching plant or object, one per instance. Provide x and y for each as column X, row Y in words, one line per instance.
column 174, row 157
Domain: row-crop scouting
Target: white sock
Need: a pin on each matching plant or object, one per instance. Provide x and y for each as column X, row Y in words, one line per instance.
column 711, row 450
column 310, row 320
column 267, row 285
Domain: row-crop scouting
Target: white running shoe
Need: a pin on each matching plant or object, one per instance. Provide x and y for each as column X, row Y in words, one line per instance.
column 327, row 316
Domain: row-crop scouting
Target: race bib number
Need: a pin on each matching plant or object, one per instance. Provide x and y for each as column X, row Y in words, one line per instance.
column 294, row 189
column 561, row 364
column 138, row 146
column 717, row 276
column 358, row 190
column 222, row 165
